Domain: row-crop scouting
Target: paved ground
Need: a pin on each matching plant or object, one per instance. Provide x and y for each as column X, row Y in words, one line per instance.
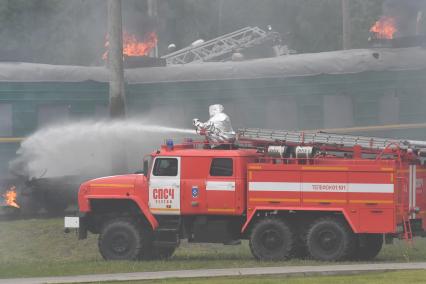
column 286, row 271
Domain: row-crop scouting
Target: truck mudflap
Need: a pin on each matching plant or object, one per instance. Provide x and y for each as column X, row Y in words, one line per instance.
column 76, row 223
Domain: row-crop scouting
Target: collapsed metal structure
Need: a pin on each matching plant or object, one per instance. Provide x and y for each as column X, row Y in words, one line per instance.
column 220, row 47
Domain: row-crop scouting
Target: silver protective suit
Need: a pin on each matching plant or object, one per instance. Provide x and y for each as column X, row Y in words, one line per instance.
column 218, row 128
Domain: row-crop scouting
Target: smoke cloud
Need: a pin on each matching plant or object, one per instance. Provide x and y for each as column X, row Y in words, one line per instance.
column 73, row 31
column 87, row 148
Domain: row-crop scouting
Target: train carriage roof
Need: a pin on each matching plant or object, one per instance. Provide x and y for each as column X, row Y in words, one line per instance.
column 311, row 64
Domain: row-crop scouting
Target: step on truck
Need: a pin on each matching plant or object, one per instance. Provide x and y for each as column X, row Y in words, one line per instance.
column 290, row 194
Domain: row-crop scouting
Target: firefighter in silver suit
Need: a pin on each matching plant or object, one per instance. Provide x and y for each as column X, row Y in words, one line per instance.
column 218, row 128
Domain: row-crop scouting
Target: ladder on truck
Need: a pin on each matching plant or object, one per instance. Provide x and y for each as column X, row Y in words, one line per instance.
column 321, row 138
column 220, row 47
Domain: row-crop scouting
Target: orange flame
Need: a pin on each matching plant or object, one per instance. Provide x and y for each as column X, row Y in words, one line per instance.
column 133, row 47
column 384, row 28
column 10, row 197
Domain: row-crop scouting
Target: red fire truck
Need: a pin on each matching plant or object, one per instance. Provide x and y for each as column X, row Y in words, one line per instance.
column 290, row 194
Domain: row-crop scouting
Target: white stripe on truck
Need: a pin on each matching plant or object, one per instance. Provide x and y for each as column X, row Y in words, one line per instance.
column 220, row 185
column 322, row 187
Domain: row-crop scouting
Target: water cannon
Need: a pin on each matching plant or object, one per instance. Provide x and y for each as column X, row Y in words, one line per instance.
column 209, row 130
column 205, row 129
column 199, row 126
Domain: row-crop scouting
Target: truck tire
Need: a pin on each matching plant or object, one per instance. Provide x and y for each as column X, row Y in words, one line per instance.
column 271, row 239
column 123, row 239
column 368, row 246
column 330, row 239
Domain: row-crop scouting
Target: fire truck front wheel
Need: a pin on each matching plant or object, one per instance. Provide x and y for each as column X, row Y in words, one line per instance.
column 271, row 239
column 123, row 239
column 330, row 239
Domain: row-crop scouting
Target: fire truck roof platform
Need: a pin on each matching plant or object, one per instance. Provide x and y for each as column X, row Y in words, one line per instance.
column 193, row 152
column 298, row 65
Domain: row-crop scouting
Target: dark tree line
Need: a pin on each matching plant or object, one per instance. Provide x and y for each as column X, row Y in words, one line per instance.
column 73, row 31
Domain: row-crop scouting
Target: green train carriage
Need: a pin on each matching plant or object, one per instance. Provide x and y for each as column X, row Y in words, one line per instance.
column 306, row 91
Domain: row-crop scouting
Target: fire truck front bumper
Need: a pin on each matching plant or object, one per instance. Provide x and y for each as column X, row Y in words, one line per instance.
column 77, row 223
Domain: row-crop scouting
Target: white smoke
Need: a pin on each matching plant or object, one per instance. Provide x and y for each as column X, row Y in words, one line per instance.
column 87, row 148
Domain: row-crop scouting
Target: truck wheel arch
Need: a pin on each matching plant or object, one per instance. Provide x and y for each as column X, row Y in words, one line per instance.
column 98, row 203
column 251, row 216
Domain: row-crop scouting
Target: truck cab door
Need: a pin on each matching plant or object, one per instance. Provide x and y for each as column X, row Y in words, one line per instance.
column 164, row 186
column 220, row 187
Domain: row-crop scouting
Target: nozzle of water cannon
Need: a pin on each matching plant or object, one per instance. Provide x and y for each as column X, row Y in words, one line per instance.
column 196, row 122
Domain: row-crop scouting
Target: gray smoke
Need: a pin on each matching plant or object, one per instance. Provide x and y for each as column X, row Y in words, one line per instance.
column 408, row 16
column 88, row 148
column 63, row 31
column 73, row 31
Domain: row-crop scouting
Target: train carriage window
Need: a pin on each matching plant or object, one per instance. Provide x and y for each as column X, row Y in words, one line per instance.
column 5, row 120
column 52, row 113
column 221, row 167
column 166, row 167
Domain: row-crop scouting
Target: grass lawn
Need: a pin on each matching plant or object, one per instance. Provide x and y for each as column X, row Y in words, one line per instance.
column 40, row 248
column 370, row 278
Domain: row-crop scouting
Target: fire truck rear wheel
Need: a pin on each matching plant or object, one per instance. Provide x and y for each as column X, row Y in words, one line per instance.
column 123, row 239
column 271, row 239
column 330, row 239
column 368, row 246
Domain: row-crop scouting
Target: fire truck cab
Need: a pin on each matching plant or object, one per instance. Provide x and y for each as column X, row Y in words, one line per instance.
column 184, row 192
column 286, row 200
column 199, row 182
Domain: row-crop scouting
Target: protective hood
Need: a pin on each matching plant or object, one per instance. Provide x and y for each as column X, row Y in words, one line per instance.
column 215, row 109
